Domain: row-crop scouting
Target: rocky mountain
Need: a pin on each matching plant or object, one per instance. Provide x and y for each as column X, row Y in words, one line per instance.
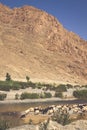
column 34, row 43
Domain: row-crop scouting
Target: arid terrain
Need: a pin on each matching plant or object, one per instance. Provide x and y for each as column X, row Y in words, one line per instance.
column 78, row 125
column 35, row 43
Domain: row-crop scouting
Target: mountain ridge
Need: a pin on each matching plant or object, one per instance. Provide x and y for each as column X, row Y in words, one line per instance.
column 36, row 44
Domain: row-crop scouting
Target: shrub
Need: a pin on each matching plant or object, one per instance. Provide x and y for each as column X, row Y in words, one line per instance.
column 62, row 118
column 30, row 122
column 15, row 87
column 2, row 96
column 61, row 88
column 42, row 95
column 3, row 125
column 31, row 84
column 77, row 86
column 26, row 95
column 16, row 96
column 5, row 88
column 58, row 94
column 8, row 77
column 82, row 94
column 44, row 125
column 84, row 86
column 47, row 95
column 39, row 87
column 69, row 86
column 27, row 78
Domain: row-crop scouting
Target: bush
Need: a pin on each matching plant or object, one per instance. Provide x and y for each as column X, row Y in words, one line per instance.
column 29, row 96
column 2, row 96
column 31, row 84
column 81, row 94
column 3, row 125
column 16, row 96
column 58, row 94
column 47, row 95
column 8, row 77
column 85, row 86
column 39, row 87
column 44, row 125
column 27, row 78
column 61, row 88
column 42, row 95
column 5, row 88
column 30, row 122
column 69, row 86
column 62, row 118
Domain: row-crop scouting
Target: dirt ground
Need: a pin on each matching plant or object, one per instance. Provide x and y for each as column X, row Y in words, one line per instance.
column 35, row 119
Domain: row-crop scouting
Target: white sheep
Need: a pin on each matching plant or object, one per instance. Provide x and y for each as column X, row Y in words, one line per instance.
column 36, row 112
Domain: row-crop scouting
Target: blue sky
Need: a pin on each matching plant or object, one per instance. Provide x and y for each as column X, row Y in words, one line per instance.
column 71, row 13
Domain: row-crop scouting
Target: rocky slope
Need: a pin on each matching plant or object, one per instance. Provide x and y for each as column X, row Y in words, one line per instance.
column 78, row 125
column 34, row 43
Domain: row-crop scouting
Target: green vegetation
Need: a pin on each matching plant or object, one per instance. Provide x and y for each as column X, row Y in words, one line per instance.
column 9, row 84
column 16, row 96
column 27, row 78
column 81, row 94
column 61, row 88
column 3, row 125
column 2, row 96
column 47, row 95
column 69, row 86
column 6, row 86
column 8, row 77
column 30, row 122
column 85, row 86
column 26, row 95
column 58, row 94
column 44, row 125
column 61, row 117
column 15, row 85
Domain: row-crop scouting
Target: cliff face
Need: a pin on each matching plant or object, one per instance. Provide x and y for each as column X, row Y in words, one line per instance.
column 34, row 43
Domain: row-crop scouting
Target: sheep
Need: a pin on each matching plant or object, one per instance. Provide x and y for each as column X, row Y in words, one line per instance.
column 50, row 112
column 27, row 111
column 31, row 109
column 36, row 112
column 84, row 108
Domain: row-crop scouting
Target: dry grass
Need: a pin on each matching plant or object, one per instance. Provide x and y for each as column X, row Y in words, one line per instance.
column 35, row 118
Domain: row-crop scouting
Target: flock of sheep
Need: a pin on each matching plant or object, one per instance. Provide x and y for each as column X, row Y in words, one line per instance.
column 50, row 110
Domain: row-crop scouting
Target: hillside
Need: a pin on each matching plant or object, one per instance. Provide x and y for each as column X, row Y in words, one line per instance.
column 34, row 43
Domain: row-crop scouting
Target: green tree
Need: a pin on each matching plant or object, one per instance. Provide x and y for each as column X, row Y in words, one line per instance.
column 27, row 78
column 8, row 77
